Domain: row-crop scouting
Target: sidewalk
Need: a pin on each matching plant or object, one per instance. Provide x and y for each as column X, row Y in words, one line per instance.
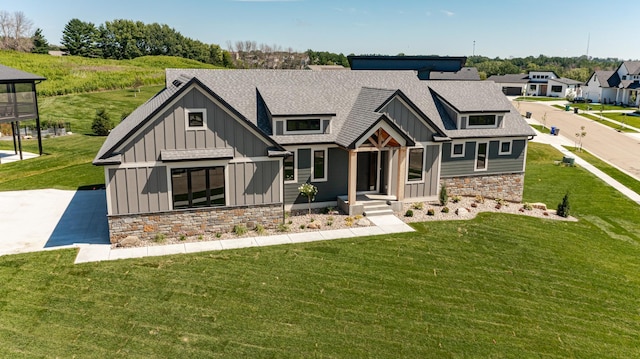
column 103, row 252
column 559, row 141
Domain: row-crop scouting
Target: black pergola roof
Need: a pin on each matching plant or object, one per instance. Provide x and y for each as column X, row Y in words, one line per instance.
column 11, row 75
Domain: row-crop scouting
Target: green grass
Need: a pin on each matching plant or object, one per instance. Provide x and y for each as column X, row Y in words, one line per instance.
column 537, row 98
column 452, row 289
column 66, row 163
column 620, row 117
column 608, row 123
column 603, row 166
column 74, row 74
column 541, row 128
column 561, row 107
column 597, row 107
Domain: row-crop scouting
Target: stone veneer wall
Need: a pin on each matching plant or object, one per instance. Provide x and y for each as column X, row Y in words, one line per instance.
column 506, row 186
column 193, row 222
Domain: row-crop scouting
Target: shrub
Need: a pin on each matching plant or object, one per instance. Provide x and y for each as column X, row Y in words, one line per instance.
column 418, row 205
column 310, row 191
column 431, row 212
column 302, row 226
column 527, row 206
column 409, row 213
column 183, row 237
column 456, row 199
column 445, row 209
column 444, row 195
column 329, row 222
column 101, row 123
column 159, row 238
column 479, row 199
column 239, row 229
column 564, row 208
column 259, row 228
column 218, row 234
column 283, row 227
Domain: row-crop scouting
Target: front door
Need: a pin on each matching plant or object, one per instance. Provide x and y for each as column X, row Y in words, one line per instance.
column 367, row 171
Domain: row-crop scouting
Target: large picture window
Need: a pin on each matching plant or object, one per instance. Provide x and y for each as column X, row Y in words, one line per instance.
column 198, row 187
column 556, row 88
column 416, row 164
column 482, row 120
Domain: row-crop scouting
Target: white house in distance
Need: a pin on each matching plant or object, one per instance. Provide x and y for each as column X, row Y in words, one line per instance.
column 619, row 86
column 535, row 83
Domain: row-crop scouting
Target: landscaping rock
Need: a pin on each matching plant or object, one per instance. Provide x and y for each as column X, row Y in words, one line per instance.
column 130, row 241
column 313, row 225
column 363, row 222
column 462, row 212
column 539, row 205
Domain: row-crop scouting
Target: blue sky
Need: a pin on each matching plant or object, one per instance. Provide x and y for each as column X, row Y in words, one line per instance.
column 500, row 28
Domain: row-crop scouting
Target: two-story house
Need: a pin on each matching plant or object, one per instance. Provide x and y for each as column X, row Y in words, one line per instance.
column 619, row 86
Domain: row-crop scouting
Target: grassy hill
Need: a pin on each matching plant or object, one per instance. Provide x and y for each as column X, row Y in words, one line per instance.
column 74, row 74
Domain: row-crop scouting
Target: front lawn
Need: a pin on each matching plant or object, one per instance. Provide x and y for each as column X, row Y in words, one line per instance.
column 453, row 289
column 537, row 98
column 613, row 125
column 597, row 107
column 623, row 118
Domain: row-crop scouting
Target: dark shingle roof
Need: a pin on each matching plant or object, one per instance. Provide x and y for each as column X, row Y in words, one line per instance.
column 607, row 78
column 465, row 73
column 566, row 81
column 351, row 97
column 510, row 78
column 9, row 74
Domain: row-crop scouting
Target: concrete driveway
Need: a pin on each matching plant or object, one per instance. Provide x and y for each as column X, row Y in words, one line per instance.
column 50, row 219
column 619, row 149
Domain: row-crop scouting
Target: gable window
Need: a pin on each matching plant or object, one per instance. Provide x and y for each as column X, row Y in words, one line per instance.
column 290, row 168
column 457, row 150
column 481, row 156
column 310, row 125
column 416, row 164
column 505, row 148
column 556, row 88
column 196, row 119
column 482, row 120
column 198, row 187
column 319, row 162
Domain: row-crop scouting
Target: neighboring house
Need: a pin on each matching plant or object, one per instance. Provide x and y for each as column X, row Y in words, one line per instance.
column 326, row 67
column 619, row 86
column 535, row 83
column 217, row 148
column 465, row 73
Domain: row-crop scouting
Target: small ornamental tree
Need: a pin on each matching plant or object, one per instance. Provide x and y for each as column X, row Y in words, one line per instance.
column 564, row 208
column 310, row 191
column 102, row 123
column 444, row 196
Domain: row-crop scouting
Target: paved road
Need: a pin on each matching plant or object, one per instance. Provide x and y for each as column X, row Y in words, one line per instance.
column 620, row 149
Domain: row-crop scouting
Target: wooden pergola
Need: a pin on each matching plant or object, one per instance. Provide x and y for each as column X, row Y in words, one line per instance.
column 19, row 102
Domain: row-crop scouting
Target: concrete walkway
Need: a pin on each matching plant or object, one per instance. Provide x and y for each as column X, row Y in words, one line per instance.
column 381, row 225
column 10, row 156
column 558, row 142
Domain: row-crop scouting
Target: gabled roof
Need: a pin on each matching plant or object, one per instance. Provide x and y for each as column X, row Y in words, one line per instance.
column 606, row 78
column 566, row 81
column 633, row 67
column 9, row 74
column 141, row 115
column 482, row 97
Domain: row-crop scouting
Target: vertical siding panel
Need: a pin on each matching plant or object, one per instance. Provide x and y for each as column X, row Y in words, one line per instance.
column 163, row 188
column 143, row 191
column 233, row 183
column 153, row 190
column 179, row 131
column 113, row 186
column 250, row 193
column 132, row 190
column 150, row 144
column 121, row 181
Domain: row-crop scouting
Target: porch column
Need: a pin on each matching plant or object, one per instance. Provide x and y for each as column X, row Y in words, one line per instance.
column 353, row 173
column 402, row 172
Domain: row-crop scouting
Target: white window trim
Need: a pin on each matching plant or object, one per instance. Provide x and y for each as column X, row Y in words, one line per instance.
column 464, row 147
column 295, row 168
column 187, row 111
column 326, row 165
column 193, row 164
column 483, row 126
column 424, row 156
column 486, row 158
column 500, row 152
column 311, row 132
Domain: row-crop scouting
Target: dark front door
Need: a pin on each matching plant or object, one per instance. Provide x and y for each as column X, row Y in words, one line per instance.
column 367, row 171
column 383, row 172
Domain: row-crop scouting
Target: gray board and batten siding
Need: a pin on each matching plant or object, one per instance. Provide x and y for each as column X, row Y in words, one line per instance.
column 141, row 185
column 337, row 176
column 408, row 121
column 428, row 187
column 496, row 163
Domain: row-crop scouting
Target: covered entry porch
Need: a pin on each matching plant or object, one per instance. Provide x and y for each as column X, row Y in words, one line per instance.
column 376, row 169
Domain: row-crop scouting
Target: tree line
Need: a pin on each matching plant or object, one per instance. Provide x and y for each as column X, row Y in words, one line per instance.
column 16, row 33
column 127, row 39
